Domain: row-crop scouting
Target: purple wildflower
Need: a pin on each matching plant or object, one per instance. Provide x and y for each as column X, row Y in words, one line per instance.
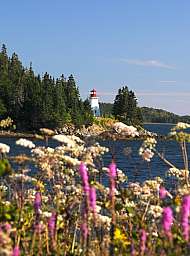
column 84, row 229
column 112, row 174
column 162, row 192
column 132, row 249
column 143, row 237
column 84, row 175
column 112, row 170
column 185, row 212
column 167, row 221
column 52, row 224
column 38, row 228
column 37, row 202
column 92, row 197
column 16, row 251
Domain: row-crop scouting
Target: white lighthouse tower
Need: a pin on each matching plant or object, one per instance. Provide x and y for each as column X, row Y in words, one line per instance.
column 94, row 103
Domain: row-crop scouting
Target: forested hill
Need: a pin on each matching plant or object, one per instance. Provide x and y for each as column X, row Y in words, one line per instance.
column 150, row 115
column 33, row 101
column 153, row 115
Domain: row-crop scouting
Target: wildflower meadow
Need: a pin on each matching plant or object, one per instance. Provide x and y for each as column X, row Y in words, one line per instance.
column 66, row 208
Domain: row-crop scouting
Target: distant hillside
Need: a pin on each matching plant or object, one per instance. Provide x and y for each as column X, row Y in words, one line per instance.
column 150, row 115
column 106, row 109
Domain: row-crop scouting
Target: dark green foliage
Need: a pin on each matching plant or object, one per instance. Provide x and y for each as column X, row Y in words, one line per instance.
column 149, row 115
column 153, row 115
column 125, row 107
column 106, row 109
column 34, row 102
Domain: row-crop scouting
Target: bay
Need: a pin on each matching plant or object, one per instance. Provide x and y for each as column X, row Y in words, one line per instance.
column 133, row 166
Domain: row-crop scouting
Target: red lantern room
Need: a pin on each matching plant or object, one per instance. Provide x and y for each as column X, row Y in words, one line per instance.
column 93, row 93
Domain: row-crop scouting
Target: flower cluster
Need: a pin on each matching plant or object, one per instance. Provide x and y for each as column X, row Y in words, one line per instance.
column 181, row 126
column 5, row 123
column 25, row 143
column 4, row 148
column 180, row 174
column 146, row 150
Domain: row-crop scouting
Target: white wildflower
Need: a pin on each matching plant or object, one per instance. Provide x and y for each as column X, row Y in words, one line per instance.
column 22, row 177
column 135, row 188
column 64, row 139
column 4, row 148
column 7, row 203
column 3, row 188
column 38, row 151
column 121, row 176
column 184, row 190
column 104, row 219
column 181, row 126
column 155, row 211
column 46, row 214
column 50, row 150
column 173, row 133
column 146, row 154
column 71, row 160
column 25, row 143
column 98, row 208
column 130, row 204
column 180, row 174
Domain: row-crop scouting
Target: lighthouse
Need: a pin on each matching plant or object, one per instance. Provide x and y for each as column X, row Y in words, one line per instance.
column 94, row 103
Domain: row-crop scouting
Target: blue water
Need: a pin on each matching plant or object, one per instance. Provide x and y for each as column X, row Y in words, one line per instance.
column 162, row 129
column 135, row 168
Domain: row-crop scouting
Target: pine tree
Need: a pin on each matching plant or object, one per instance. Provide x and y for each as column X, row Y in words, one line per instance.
column 60, row 114
column 47, row 101
column 4, row 81
column 32, row 107
column 125, row 107
column 16, row 90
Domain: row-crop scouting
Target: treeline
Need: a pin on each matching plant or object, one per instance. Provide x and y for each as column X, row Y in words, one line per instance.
column 153, row 115
column 33, row 101
column 149, row 115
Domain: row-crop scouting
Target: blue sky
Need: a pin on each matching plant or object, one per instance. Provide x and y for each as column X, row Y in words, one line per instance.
column 106, row 44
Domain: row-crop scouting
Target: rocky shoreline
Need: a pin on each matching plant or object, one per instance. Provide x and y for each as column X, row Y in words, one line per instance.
column 94, row 131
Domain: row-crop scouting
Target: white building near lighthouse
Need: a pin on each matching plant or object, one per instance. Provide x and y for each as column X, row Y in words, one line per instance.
column 94, row 103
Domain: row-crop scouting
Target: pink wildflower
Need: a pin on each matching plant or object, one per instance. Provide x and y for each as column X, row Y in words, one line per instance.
column 93, row 199
column 185, row 212
column 16, row 251
column 167, row 221
column 112, row 170
column 37, row 202
column 84, row 229
column 112, row 174
column 143, row 237
column 84, row 175
column 162, row 192
column 52, row 224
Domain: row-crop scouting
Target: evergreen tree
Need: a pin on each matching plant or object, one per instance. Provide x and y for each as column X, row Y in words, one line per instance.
column 87, row 113
column 5, row 83
column 60, row 114
column 125, row 107
column 32, row 107
column 16, row 90
column 47, row 101
column 34, row 102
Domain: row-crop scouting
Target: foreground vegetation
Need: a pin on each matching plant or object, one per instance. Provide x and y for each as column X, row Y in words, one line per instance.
column 73, row 205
